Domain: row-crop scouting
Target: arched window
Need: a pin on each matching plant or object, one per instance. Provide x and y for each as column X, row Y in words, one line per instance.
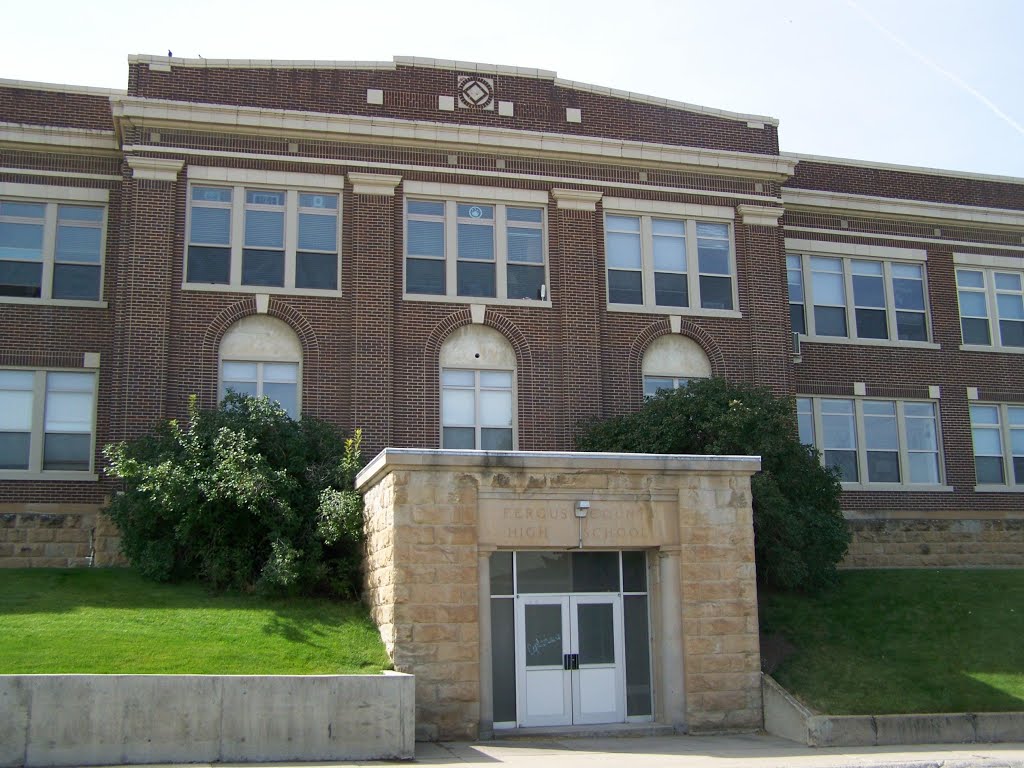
column 478, row 374
column 261, row 355
column 671, row 361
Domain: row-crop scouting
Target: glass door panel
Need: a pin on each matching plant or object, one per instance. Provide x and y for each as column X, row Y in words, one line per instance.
column 544, row 681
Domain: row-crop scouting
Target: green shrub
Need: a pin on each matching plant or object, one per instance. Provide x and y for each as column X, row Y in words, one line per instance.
column 799, row 531
column 242, row 497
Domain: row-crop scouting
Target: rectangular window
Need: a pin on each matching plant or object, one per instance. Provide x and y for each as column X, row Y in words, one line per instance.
column 998, row 434
column 477, row 409
column 994, row 294
column 657, row 262
column 51, row 250
column 278, row 381
column 47, row 421
column 655, row 384
column 458, row 248
column 250, row 237
column 857, row 298
column 892, row 442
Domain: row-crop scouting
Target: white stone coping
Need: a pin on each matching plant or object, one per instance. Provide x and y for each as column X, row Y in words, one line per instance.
column 901, row 168
column 31, row 85
column 393, row 459
column 800, row 245
column 163, row 64
column 901, row 207
column 398, row 130
column 54, row 135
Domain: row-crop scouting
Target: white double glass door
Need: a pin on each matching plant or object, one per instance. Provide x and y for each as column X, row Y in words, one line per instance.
column 569, row 659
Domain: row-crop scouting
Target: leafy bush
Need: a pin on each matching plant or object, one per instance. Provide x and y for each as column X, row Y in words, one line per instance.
column 799, row 530
column 242, row 497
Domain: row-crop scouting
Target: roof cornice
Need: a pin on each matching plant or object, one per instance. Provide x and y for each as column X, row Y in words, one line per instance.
column 799, row 157
column 293, row 123
column 837, row 202
column 30, row 85
column 57, row 137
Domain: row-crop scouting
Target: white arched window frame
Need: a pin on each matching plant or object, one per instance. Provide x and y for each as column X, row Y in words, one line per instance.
column 671, row 361
column 478, row 390
column 261, row 355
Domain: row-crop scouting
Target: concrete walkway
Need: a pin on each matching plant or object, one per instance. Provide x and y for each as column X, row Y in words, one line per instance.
column 742, row 751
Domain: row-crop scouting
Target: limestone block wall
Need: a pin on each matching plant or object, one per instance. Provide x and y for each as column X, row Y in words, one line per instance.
column 57, row 536
column 722, row 658
column 914, row 543
column 432, row 518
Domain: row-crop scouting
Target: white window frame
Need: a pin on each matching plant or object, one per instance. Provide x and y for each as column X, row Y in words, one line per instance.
column 1006, row 430
column 453, row 195
column 37, row 437
column 860, row 435
column 988, row 266
column 691, row 214
column 846, row 254
column 477, row 425
column 241, row 180
column 53, row 197
column 260, row 364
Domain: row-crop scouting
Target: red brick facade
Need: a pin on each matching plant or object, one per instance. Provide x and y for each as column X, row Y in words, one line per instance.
column 370, row 352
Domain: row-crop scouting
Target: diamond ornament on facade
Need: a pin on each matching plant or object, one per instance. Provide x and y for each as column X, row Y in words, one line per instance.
column 476, row 92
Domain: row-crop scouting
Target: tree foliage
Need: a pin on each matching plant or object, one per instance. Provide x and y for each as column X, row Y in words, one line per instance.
column 799, row 531
column 242, row 497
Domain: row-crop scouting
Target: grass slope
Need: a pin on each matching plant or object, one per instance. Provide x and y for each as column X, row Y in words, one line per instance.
column 112, row 621
column 905, row 641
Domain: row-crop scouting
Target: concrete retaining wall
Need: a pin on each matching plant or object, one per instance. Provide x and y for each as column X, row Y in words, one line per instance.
column 63, row 720
column 786, row 717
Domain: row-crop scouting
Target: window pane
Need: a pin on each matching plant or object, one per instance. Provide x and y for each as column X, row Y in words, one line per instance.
column 426, row 238
column 1018, row 470
column 713, row 256
column 264, row 229
column 476, row 278
column 503, row 650
column 543, row 572
column 211, row 226
column 22, row 210
column 595, row 572
column 969, row 278
column 827, row 281
column 805, row 420
column 22, row 242
column 871, row 324
column 212, row 194
column 458, row 437
column 282, row 373
column 208, row 265
column 921, row 433
column 501, row 574
column 316, row 270
column 451, row 377
column 972, row 304
column 495, row 408
column 495, row 378
column 595, row 633
column 670, row 290
column 883, row 466
column 424, row 276
column 14, row 448
column 425, row 207
column 496, row 439
column 625, row 287
column 638, row 655
column 525, row 245
column 458, row 407
column 829, row 321
column 795, row 278
column 845, row 462
column 476, row 242
column 68, row 411
column 68, row 452
column 910, row 326
column 989, row 470
column 318, row 233
column 324, row 202
column 473, row 211
column 1007, row 281
column 239, row 371
column 924, row 468
column 796, row 318
column 78, row 244
column 984, row 414
column 1015, row 415
column 715, row 292
column 655, row 384
column 669, row 254
column 524, row 214
column 838, row 425
column 880, row 425
column 263, row 268
column 1011, row 333
column 73, row 281
column 19, row 278
column 285, row 395
column 986, row 442
column 622, row 223
column 524, row 282
column 239, row 388
column 622, row 250
column 16, row 409
column 1010, row 306
column 975, row 331
column 634, row 571
column 543, row 635
column 907, row 287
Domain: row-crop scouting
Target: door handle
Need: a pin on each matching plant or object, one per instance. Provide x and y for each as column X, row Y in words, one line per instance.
column 575, row 661
column 567, row 661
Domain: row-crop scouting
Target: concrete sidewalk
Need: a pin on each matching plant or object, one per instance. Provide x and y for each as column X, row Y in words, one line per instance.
column 737, row 751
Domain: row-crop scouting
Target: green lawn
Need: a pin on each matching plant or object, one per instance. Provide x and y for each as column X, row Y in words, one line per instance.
column 905, row 641
column 112, row 621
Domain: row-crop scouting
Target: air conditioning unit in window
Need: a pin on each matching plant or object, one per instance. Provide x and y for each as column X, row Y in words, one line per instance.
column 796, row 343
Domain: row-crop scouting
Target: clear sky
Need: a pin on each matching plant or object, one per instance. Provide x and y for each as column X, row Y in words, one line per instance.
column 937, row 83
